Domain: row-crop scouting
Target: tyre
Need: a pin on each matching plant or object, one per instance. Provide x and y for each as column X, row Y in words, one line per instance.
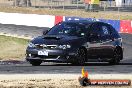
column 35, row 62
column 80, row 57
column 118, row 55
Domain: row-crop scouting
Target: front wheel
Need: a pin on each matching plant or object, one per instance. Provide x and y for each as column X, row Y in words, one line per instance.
column 80, row 57
column 35, row 62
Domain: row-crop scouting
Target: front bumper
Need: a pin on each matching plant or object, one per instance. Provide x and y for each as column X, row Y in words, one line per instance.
column 53, row 55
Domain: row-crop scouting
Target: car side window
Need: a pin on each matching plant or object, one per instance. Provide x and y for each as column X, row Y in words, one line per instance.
column 105, row 31
column 94, row 33
column 114, row 33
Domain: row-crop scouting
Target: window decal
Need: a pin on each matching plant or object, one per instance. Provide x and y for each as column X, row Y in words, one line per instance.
column 105, row 30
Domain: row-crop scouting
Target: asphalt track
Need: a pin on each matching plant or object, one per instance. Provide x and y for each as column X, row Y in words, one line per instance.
column 23, row 67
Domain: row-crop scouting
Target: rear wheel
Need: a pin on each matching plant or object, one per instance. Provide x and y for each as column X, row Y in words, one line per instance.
column 117, row 57
column 35, row 62
column 80, row 57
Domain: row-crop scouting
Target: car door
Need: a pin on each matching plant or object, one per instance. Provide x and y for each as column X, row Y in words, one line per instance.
column 106, row 45
column 94, row 40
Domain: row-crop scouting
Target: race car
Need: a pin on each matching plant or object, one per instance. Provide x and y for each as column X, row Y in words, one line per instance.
column 76, row 42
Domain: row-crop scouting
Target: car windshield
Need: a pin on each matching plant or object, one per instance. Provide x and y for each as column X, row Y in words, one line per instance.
column 69, row 29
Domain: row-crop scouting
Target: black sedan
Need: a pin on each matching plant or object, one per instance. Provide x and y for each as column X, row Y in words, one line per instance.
column 76, row 42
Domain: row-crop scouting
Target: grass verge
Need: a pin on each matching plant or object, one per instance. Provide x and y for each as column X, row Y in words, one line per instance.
column 72, row 12
column 12, row 48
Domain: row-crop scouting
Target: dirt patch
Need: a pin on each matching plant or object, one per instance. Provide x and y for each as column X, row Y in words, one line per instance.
column 54, row 80
column 40, row 83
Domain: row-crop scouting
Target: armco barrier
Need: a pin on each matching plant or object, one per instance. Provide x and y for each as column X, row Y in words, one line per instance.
column 58, row 19
column 123, row 26
column 73, row 18
column 126, row 26
column 79, row 18
column 27, row 19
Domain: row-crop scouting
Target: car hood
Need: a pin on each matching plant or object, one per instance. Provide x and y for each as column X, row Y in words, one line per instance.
column 57, row 39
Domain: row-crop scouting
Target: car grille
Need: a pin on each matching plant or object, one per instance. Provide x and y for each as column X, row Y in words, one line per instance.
column 42, row 46
column 45, row 57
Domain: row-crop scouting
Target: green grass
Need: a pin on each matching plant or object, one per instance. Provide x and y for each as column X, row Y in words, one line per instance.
column 12, row 48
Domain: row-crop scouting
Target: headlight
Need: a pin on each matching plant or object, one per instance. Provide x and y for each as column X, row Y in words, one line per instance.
column 64, row 46
column 31, row 45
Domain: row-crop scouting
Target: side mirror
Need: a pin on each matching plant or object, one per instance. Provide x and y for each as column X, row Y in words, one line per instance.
column 45, row 32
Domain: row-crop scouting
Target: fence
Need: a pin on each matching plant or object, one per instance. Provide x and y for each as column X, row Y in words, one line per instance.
column 107, row 5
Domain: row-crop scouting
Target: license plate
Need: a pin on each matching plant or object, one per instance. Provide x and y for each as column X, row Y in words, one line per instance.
column 45, row 53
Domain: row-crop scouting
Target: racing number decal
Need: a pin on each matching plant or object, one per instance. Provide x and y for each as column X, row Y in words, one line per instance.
column 105, row 30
